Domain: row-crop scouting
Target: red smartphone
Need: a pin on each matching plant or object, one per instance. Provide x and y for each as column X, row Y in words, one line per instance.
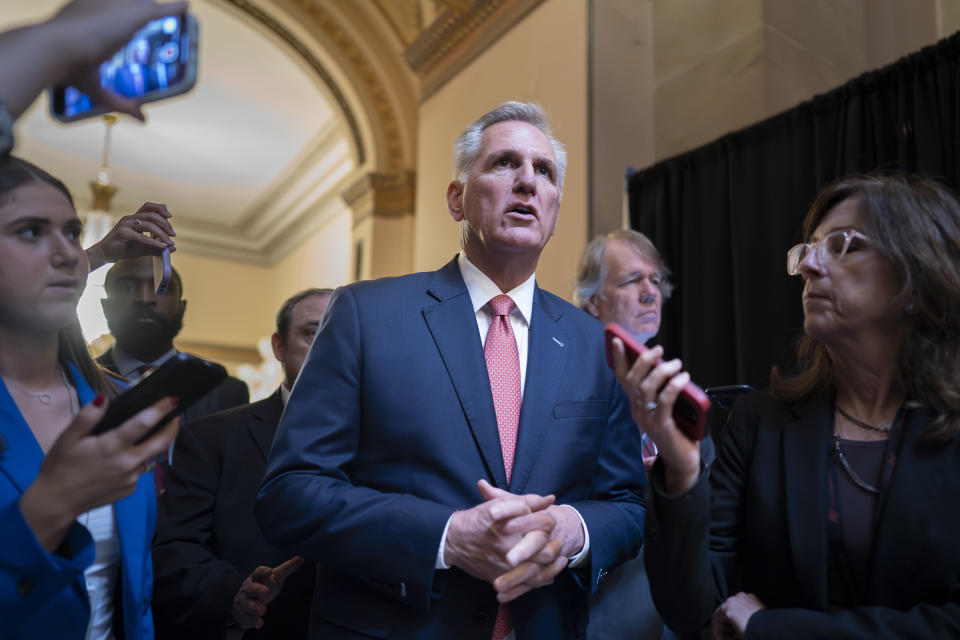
column 692, row 405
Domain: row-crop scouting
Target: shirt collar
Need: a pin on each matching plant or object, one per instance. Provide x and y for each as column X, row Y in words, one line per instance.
column 481, row 288
column 127, row 364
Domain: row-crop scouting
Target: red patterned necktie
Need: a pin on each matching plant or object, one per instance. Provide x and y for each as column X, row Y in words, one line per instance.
column 503, row 368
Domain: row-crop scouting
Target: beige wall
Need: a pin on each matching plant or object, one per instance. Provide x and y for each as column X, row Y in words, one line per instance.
column 542, row 59
column 720, row 65
column 233, row 303
column 225, row 300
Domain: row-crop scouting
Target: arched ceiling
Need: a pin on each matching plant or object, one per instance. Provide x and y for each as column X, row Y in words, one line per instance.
column 295, row 102
column 250, row 160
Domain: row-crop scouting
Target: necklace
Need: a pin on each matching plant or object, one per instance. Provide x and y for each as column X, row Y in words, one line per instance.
column 74, row 401
column 846, row 467
column 861, row 423
column 44, row 397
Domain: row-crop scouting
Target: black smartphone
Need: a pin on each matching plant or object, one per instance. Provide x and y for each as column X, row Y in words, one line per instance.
column 185, row 376
column 692, row 405
column 725, row 395
column 158, row 62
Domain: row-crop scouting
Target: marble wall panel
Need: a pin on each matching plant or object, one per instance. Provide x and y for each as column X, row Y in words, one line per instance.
column 722, row 93
column 832, row 30
column 688, row 30
column 794, row 73
column 949, row 17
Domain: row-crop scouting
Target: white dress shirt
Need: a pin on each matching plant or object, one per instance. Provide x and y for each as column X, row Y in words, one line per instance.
column 101, row 576
column 481, row 289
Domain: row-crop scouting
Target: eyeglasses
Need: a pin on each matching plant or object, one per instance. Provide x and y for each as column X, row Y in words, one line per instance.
column 830, row 248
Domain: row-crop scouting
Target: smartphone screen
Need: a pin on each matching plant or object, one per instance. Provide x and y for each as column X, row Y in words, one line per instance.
column 158, row 61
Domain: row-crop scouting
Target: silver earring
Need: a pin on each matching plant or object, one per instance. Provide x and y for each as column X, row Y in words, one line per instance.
column 911, row 308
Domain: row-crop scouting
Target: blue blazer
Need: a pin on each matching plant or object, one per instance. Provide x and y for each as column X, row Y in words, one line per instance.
column 42, row 594
column 389, row 427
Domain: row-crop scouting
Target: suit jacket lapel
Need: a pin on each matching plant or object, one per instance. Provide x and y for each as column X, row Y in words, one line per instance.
column 915, row 492
column 546, row 361
column 806, row 442
column 452, row 323
column 264, row 418
column 20, row 460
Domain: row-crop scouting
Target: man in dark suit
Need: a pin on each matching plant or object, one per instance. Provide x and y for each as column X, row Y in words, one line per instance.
column 622, row 278
column 456, row 455
column 213, row 569
column 144, row 325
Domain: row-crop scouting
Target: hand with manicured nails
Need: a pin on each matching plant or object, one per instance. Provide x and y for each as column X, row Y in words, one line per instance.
column 83, row 471
column 125, row 241
column 258, row 590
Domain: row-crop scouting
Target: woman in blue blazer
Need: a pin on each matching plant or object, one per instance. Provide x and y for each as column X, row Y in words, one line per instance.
column 77, row 511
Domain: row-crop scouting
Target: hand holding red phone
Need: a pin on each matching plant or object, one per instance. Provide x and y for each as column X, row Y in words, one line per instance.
column 653, row 386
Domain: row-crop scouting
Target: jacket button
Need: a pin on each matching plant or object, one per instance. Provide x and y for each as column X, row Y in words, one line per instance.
column 24, row 587
column 480, row 618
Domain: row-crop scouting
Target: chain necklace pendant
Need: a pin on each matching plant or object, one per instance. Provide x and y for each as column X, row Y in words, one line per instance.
column 842, row 459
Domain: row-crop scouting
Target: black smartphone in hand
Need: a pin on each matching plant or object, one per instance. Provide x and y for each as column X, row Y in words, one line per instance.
column 184, row 376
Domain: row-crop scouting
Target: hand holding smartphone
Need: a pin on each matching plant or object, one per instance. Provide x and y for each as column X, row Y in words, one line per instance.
column 692, row 405
column 159, row 61
column 187, row 377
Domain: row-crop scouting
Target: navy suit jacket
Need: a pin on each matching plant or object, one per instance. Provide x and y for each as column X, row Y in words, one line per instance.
column 389, row 427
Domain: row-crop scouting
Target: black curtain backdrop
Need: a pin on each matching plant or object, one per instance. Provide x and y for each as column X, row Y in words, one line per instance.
column 724, row 215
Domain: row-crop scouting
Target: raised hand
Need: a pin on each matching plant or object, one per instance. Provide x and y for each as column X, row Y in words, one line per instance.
column 258, row 590
column 130, row 237
column 652, row 387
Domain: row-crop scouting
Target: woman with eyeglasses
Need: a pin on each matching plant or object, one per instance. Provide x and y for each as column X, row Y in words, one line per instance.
column 77, row 511
column 833, row 508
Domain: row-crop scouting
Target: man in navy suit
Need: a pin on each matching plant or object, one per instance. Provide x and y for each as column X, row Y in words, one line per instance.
column 433, row 509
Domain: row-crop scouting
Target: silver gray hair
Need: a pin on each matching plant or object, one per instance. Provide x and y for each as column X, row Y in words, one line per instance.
column 592, row 270
column 466, row 148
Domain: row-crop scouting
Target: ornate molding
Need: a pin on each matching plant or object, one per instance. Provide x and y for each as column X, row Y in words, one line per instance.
column 268, row 21
column 341, row 42
column 457, row 37
column 403, row 16
column 382, row 195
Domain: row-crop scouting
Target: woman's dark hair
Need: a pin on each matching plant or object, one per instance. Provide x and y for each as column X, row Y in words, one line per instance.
column 914, row 222
column 14, row 173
